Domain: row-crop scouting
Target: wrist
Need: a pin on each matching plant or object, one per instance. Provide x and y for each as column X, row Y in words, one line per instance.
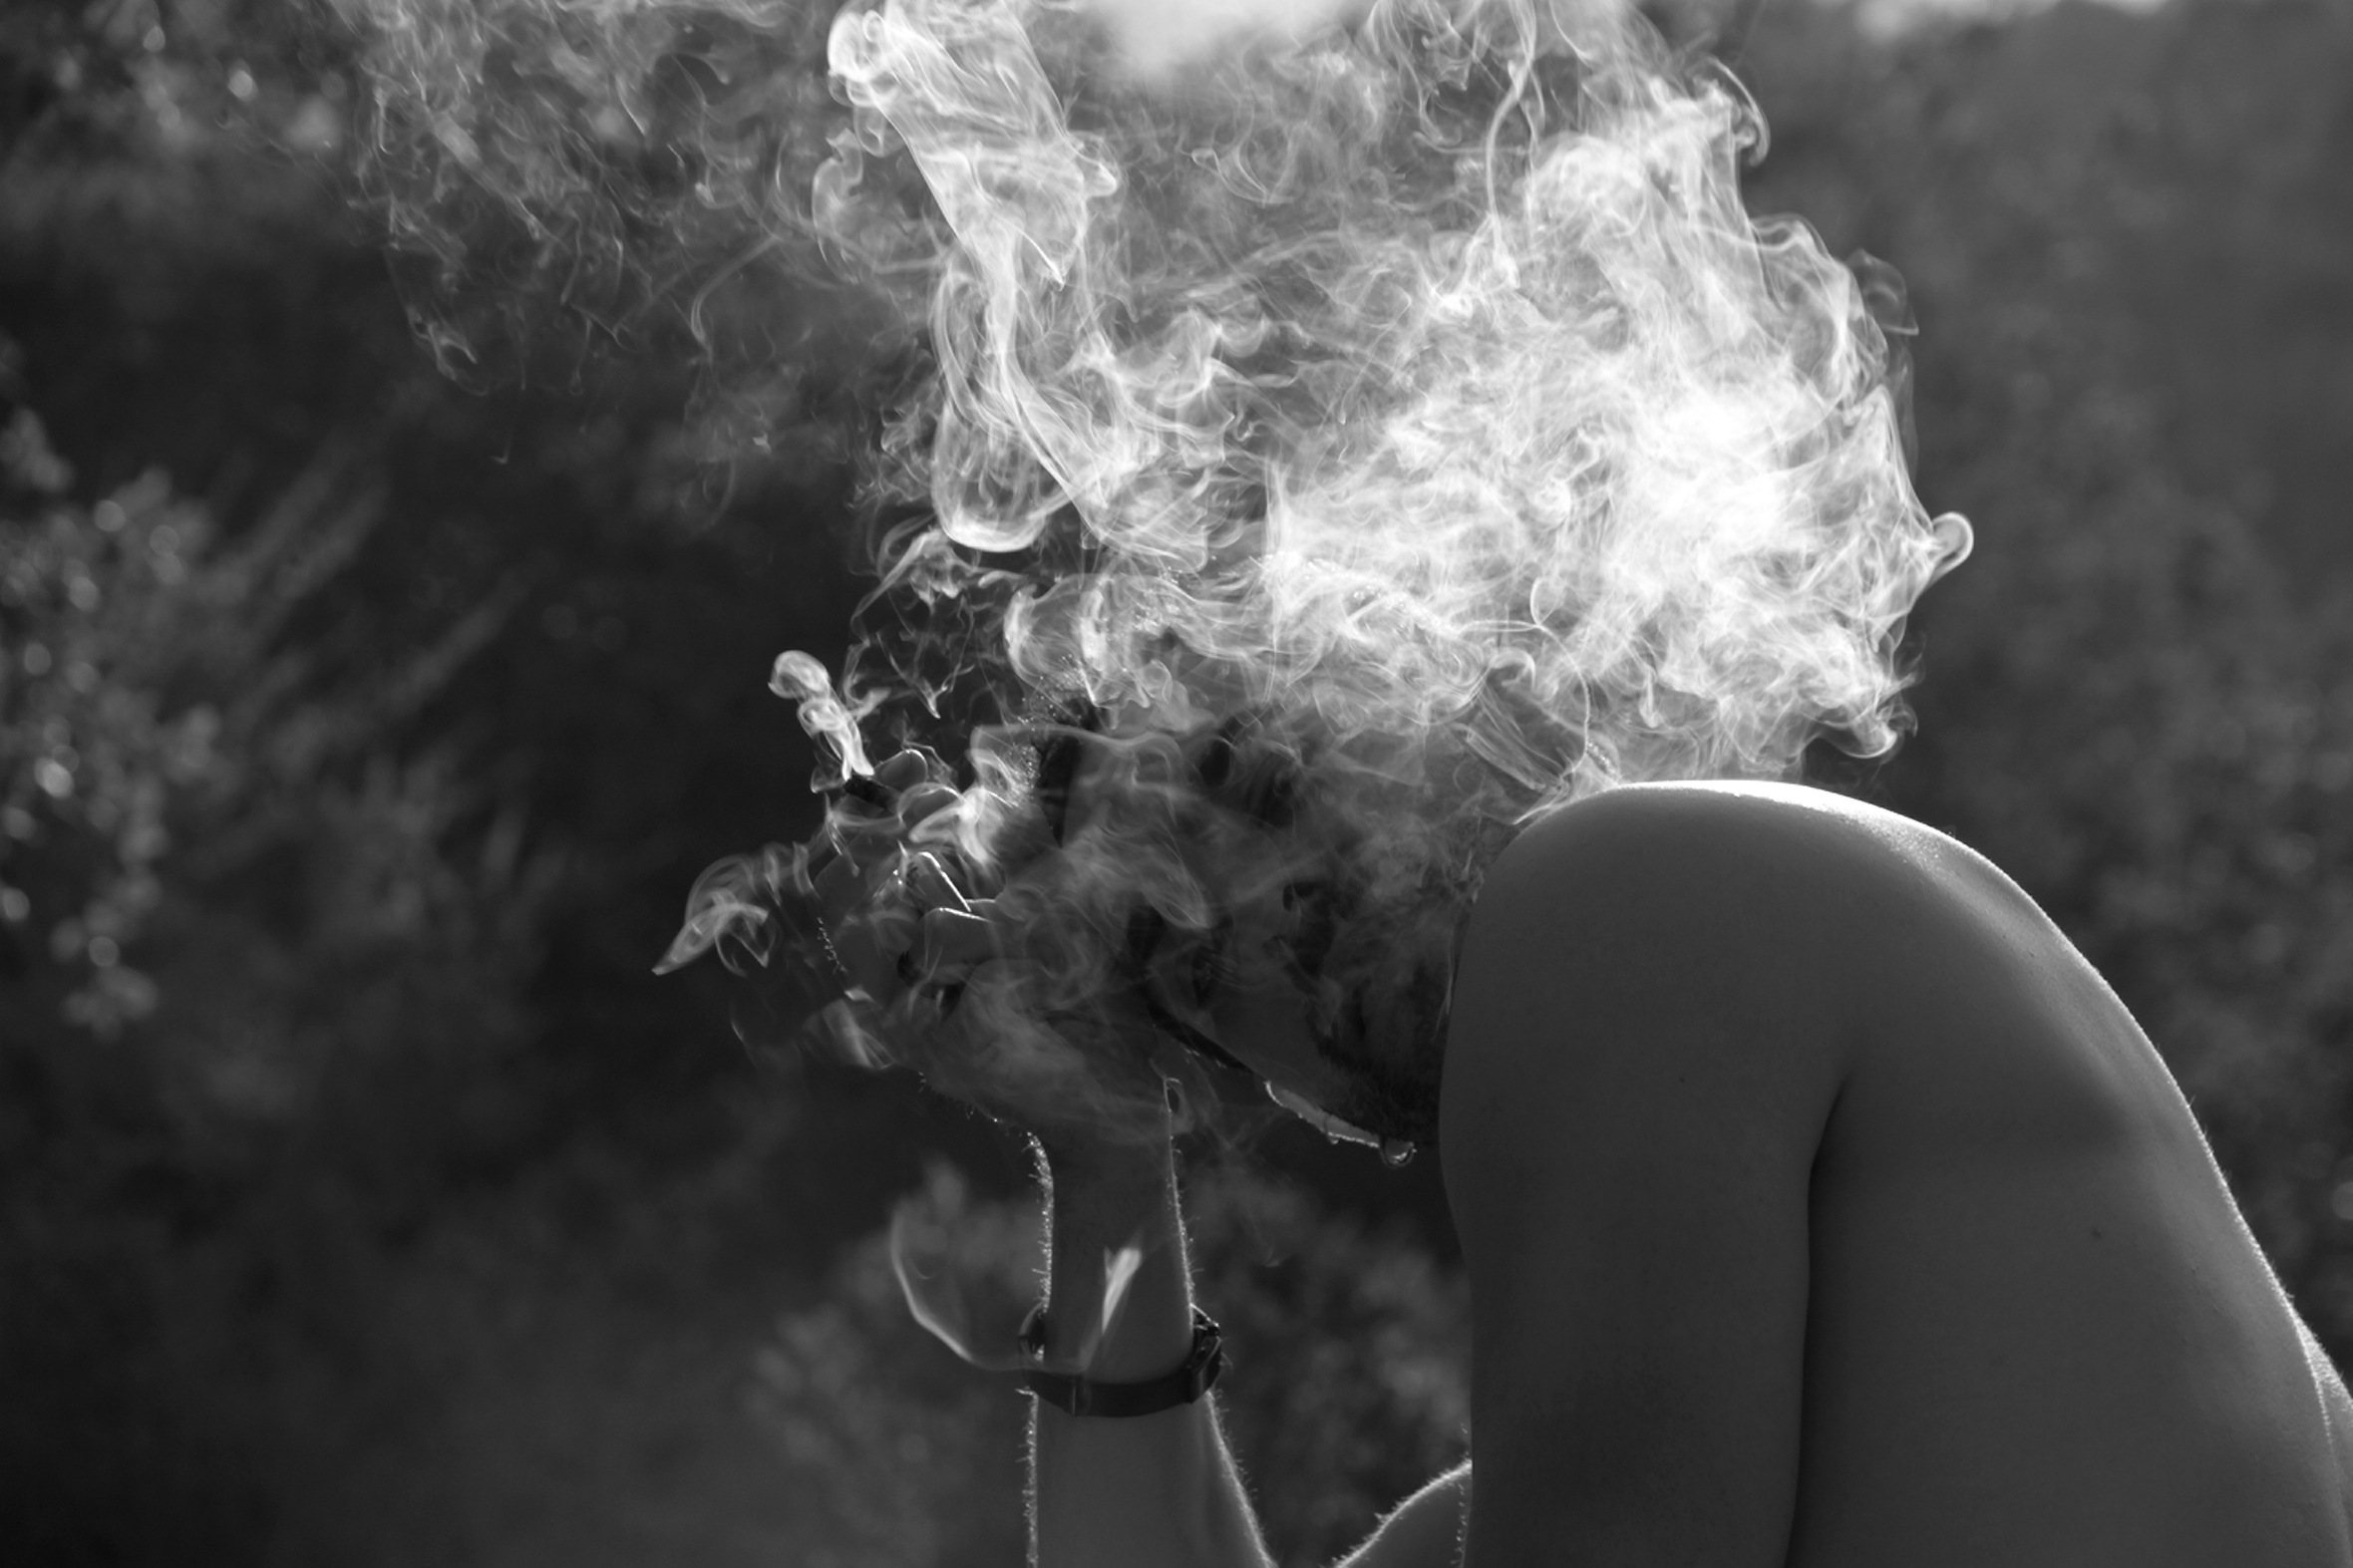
column 1105, row 1167
column 1115, row 1233
column 1092, row 1161
column 1137, row 1130
column 1183, row 1384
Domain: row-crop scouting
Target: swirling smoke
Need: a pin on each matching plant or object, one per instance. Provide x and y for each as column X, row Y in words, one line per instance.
column 1353, row 434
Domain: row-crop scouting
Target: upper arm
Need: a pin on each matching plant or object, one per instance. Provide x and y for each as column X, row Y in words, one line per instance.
column 1638, row 1073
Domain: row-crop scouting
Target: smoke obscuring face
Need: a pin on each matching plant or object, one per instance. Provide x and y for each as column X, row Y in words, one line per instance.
column 1350, row 434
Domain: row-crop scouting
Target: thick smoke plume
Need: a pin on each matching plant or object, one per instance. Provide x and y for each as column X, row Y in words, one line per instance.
column 1336, row 443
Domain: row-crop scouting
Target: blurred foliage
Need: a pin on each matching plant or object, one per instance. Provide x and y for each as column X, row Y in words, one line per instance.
column 214, row 864
column 363, row 1199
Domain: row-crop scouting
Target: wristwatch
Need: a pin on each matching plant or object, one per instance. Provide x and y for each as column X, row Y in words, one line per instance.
column 1192, row 1378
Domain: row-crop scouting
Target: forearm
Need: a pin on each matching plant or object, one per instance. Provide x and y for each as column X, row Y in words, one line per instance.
column 1151, row 1492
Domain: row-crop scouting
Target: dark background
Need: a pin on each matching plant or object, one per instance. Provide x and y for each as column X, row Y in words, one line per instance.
column 363, row 1196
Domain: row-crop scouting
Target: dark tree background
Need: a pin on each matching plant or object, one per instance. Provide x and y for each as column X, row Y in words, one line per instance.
column 365, row 1199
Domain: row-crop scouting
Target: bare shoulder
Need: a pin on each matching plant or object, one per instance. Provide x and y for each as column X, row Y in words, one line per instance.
column 1782, row 862
column 1721, row 834
column 1759, row 879
column 1710, row 914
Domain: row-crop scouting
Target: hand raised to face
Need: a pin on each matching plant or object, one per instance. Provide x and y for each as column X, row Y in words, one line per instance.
column 980, row 947
column 1054, row 944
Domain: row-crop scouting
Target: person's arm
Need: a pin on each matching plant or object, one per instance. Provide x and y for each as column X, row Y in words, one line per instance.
column 1139, row 1491
column 1162, row 1492
column 1148, row 1492
column 1636, row 1080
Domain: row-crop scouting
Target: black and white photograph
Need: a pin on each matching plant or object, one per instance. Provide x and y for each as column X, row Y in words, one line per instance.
column 1175, row 784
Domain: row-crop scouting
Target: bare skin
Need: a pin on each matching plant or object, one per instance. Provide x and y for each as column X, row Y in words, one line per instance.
column 1825, row 1208
column 1822, row 1208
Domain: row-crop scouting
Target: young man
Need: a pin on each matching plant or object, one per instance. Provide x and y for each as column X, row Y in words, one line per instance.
column 1822, row 1208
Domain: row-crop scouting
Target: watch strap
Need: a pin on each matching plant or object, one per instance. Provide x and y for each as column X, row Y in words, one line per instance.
column 1192, row 1379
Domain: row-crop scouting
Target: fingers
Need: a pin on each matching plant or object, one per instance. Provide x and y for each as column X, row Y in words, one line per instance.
column 899, row 908
column 869, row 942
column 930, row 885
column 903, row 791
column 953, row 943
column 903, row 925
column 870, row 824
column 838, row 879
column 867, row 870
column 951, row 946
column 927, row 799
column 903, row 771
